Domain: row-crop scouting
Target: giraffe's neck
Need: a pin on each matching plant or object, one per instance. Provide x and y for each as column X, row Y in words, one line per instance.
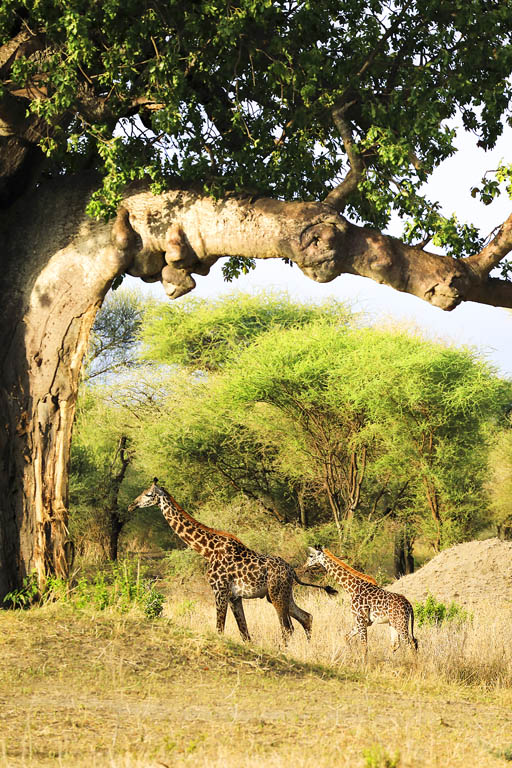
column 350, row 579
column 196, row 535
column 343, row 577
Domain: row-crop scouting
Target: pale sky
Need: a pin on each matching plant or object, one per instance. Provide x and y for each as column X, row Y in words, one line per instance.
column 487, row 328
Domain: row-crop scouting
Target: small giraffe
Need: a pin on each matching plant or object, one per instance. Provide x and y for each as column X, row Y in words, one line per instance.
column 369, row 602
column 234, row 571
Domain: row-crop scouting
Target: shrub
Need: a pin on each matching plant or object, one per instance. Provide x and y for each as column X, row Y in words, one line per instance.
column 506, row 753
column 433, row 612
column 377, row 757
column 122, row 588
column 25, row 595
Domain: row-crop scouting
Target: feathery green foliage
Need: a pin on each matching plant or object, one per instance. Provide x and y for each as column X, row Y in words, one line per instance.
column 320, row 419
column 201, row 335
column 500, row 480
column 265, row 412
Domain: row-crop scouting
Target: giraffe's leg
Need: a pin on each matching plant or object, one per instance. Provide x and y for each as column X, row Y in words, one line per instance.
column 404, row 638
column 280, row 594
column 395, row 638
column 358, row 619
column 303, row 617
column 237, row 607
column 399, row 627
column 284, row 620
column 360, row 629
column 221, row 604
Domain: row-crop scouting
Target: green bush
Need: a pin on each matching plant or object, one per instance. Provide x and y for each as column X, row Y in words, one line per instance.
column 432, row 612
column 121, row 589
column 506, row 753
column 25, row 595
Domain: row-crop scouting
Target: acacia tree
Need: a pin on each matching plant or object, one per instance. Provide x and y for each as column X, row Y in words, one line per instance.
column 201, row 337
column 207, row 130
column 365, row 425
column 373, row 419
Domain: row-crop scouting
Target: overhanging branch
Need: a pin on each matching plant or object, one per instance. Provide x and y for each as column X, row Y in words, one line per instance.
column 492, row 291
column 172, row 236
column 490, row 256
column 180, row 233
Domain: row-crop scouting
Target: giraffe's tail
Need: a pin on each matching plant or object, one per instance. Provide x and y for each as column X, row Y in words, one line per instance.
column 330, row 590
column 413, row 639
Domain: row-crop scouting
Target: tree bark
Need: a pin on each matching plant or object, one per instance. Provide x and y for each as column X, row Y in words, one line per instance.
column 116, row 526
column 187, row 232
column 56, row 269
column 355, row 480
column 57, row 265
column 116, row 520
column 433, row 504
column 403, row 557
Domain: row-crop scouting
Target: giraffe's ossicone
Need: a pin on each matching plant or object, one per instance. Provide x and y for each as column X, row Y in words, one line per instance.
column 369, row 602
column 234, row 571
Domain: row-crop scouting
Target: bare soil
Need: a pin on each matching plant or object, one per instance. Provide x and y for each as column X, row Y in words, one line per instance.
column 471, row 574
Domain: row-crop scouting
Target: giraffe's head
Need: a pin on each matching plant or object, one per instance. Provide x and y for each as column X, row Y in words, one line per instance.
column 316, row 558
column 149, row 497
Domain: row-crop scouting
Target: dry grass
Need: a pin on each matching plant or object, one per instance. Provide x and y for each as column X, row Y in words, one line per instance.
column 477, row 653
column 99, row 689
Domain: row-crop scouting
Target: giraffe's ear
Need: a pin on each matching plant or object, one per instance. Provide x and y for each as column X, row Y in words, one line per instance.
column 311, row 551
column 155, row 480
column 319, row 548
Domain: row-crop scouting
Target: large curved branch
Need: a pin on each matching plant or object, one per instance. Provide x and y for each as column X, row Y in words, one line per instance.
column 491, row 291
column 180, row 233
column 172, row 236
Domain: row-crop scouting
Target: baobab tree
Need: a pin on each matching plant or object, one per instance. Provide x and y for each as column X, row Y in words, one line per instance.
column 155, row 137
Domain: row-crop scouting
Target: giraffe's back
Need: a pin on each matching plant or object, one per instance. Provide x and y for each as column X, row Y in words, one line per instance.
column 382, row 606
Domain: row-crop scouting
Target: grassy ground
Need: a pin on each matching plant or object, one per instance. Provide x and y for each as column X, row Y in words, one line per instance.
column 89, row 688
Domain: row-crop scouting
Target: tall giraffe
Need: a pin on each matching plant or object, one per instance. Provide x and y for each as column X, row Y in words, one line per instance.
column 234, row 571
column 369, row 602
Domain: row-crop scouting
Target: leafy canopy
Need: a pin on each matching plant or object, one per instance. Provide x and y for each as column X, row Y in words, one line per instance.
column 231, row 96
column 202, row 335
column 295, row 400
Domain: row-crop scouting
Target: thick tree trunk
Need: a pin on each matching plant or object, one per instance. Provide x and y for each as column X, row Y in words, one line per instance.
column 56, row 269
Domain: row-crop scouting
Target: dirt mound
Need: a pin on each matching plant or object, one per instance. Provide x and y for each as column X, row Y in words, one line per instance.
column 472, row 573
